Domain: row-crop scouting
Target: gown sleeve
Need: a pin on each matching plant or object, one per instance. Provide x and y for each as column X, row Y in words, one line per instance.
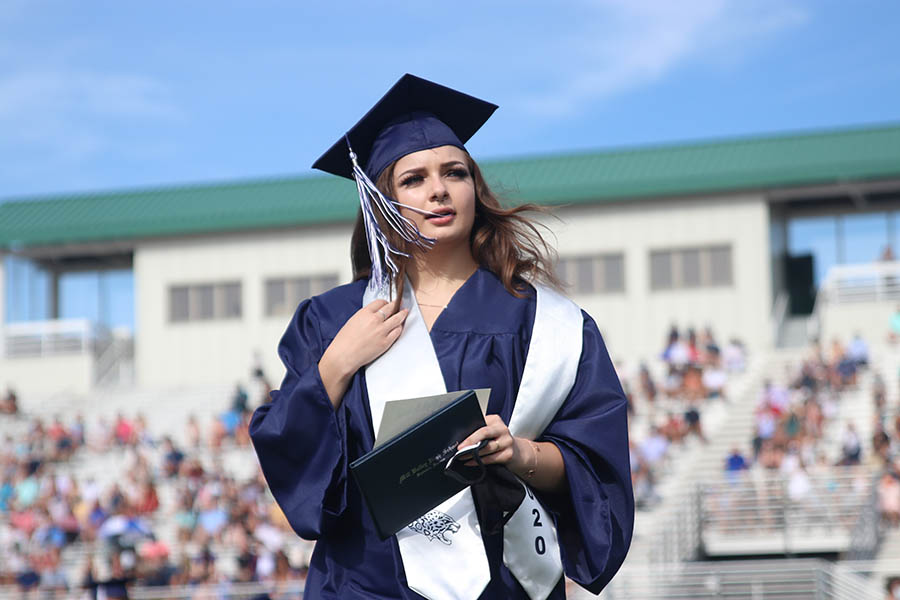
column 595, row 515
column 299, row 438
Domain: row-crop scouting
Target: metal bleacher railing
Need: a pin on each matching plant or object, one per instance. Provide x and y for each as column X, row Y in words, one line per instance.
column 790, row 579
column 46, row 338
column 70, row 337
column 786, row 579
column 762, row 513
column 868, row 282
column 850, row 284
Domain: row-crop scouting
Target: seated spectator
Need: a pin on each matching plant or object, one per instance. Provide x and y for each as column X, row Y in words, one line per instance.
column 858, row 351
column 648, row 387
column 260, row 387
column 770, row 455
column 231, row 420
column 239, row 400
column 893, row 588
column 156, row 571
column 851, row 450
column 692, row 383
column 148, row 501
column 217, row 432
column 879, row 394
column 211, row 519
column 736, row 461
column 692, row 421
column 846, row 371
column 10, row 403
column 101, row 437
column 654, row 448
column 889, row 499
column 673, row 429
column 172, row 457
column 799, row 485
column 63, row 446
column 124, row 431
column 77, row 432
column 192, row 431
column 714, row 377
column 676, row 353
column 695, row 355
column 114, row 587
column 734, row 357
column 709, row 345
column 895, row 326
column 53, row 576
column 185, row 517
column 672, row 382
column 142, row 433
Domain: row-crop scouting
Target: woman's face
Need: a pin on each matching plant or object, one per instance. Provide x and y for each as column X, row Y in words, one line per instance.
column 439, row 180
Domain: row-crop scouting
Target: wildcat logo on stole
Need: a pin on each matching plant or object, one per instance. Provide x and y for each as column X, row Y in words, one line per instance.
column 435, row 525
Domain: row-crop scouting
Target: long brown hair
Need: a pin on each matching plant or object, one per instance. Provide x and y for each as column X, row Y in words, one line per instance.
column 505, row 241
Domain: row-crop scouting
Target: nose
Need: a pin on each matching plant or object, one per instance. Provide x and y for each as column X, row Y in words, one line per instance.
column 438, row 189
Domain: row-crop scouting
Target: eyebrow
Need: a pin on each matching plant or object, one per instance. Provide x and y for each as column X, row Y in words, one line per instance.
column 443, row 166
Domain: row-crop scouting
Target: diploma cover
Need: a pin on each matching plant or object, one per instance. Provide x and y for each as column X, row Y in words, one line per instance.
column 403, row 478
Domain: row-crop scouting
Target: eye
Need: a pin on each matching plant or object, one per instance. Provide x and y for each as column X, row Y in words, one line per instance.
column 458, row 173
column 411, row 180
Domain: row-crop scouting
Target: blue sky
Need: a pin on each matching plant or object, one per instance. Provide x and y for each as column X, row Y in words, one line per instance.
column 103, row 95
column 109, row 95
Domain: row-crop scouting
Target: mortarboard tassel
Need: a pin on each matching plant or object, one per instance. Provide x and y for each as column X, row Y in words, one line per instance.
column 384, row 269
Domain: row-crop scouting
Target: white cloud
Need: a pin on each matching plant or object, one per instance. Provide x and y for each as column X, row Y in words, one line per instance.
column 65, row 113
column 626, row 44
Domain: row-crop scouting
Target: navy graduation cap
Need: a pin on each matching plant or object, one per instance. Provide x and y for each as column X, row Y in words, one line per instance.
column 415, row 114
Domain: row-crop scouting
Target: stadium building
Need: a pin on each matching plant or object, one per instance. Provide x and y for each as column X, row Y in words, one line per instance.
column 736, row 235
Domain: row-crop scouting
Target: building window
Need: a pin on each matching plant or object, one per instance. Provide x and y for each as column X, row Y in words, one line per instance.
column 283, row 294
column 686, row 268
column 598, row 274
column 205, row 302
column 660, row 270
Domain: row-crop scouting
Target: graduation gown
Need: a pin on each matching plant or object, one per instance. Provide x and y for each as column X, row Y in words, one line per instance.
column 481, row 341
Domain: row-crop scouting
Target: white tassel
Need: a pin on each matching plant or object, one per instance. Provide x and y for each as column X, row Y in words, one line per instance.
column 384, row 269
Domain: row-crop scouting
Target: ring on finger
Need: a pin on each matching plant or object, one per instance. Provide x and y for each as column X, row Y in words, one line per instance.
column 383, row 315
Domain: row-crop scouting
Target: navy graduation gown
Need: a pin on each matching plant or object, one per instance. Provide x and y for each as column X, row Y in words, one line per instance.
column 481, row 340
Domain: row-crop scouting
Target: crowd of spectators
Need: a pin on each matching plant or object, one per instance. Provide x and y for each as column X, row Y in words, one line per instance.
column 792, row 422
column 693, row 370
column 172, row 516
column 791, row 419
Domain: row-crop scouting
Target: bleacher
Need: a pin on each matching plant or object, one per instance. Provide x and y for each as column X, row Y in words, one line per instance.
column 701, row 511
column 166, row 412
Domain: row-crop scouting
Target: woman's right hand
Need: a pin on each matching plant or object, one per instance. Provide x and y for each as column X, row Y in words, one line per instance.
column 363, row 338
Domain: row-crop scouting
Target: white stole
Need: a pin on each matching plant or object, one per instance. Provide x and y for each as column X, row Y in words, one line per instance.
column 443, row 553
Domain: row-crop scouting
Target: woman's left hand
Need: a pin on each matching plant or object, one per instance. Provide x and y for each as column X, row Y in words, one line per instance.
column 502, row 447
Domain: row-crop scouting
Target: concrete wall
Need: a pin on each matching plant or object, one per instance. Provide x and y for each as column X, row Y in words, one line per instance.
column 872, row 320
column 634, row 323
column 222, row 351
column 47, row 375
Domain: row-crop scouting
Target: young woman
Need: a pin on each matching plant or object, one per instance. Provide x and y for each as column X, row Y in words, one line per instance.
column 469, row 309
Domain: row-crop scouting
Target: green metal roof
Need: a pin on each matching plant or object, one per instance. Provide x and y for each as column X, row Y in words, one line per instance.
column 813, row 158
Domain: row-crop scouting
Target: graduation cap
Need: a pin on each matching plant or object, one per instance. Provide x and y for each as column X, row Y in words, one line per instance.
column 415, row 114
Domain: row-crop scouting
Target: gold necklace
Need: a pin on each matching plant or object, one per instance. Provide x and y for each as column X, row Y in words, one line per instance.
column 441, row 306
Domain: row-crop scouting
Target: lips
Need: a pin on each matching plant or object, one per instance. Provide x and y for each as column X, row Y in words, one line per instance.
column 441, row 213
